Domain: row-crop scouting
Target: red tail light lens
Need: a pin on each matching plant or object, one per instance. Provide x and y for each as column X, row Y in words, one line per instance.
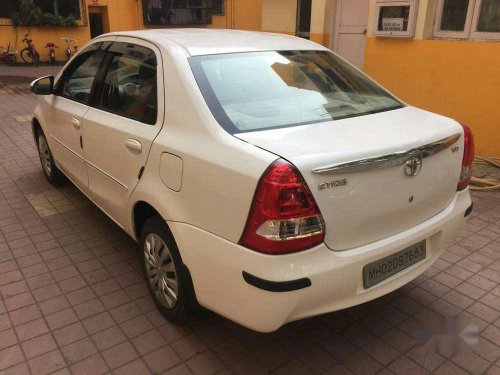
column 284, row 217
column 468, row 159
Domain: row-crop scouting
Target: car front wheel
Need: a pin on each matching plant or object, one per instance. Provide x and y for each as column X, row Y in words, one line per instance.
column 50, row 170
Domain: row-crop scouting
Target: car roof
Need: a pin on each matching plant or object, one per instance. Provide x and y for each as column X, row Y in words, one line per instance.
column 215, row 41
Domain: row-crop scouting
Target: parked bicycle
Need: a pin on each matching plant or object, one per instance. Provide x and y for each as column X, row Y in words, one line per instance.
column 70, row 53
column 7, row 56
column 29, row 54
column 52, row 52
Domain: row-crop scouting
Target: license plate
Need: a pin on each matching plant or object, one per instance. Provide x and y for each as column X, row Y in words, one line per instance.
column 384, row 268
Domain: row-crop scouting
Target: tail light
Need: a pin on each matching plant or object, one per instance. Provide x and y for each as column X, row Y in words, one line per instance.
column 284, row 217
column 468, row 159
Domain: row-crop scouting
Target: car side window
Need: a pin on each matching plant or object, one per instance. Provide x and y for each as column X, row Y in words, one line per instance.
column 130, row 88
column 78, row 78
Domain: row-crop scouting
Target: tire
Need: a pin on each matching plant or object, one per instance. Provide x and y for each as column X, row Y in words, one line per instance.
column 51, row 172
column 26, row 56
column 168, row 279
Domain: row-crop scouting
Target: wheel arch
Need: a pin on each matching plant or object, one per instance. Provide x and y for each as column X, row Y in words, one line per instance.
column 36, row 127
column 141, row 212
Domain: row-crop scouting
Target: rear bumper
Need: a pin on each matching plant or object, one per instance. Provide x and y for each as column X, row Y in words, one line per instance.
column 305, row 284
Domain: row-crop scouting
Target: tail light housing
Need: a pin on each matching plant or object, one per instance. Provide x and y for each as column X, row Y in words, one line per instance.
column 468, row 159
column 284, row 217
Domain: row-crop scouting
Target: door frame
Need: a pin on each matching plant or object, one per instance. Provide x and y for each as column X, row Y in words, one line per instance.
column 297, row 21
column 103, row 11
column 334, row 25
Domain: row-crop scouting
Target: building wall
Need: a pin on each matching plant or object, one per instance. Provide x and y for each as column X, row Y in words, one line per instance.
column 318, row 33
column 121, row 15
column 458, row 79
column 246, row 14
column 40, row 37
column 279, row 16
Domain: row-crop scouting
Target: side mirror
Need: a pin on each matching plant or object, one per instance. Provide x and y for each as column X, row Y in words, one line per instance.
column 43, row 86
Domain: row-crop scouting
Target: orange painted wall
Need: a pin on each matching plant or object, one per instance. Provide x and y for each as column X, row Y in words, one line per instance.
column 121, row 15
column 459, row 79
column 323, row 39
column 42, row 35
column 246, row 14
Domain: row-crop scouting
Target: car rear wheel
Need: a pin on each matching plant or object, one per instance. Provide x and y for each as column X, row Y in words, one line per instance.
column 168, row 279
column 50, row 170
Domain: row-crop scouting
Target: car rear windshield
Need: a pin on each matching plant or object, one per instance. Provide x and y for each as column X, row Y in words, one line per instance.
column 254, row 91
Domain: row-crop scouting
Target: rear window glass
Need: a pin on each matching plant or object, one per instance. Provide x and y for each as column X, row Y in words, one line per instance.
column 265, row 90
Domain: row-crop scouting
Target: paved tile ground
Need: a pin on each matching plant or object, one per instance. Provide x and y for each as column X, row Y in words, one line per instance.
column 72, row 299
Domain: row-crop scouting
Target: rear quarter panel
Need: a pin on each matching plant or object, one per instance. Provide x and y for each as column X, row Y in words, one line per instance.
column 220, row 172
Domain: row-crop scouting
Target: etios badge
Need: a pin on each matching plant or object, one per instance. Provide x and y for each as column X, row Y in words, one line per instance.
column 413, row 165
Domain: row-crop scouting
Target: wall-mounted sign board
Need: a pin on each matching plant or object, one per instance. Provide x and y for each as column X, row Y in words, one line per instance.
column 395, row 18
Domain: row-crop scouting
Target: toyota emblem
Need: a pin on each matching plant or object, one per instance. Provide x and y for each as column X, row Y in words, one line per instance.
column 413, row 165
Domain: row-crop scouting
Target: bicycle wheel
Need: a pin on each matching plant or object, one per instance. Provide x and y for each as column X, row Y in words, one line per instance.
column 26, row 56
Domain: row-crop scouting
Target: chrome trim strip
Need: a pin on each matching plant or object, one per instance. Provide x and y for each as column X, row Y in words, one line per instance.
column 122, row 185
column 388, row 160
column 92, row 165
column 66, row 147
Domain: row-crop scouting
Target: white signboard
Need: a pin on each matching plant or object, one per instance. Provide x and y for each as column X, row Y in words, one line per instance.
column 392, row 24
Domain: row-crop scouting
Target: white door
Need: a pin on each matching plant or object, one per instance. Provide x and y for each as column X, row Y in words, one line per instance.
column 351, row 22
column 67, row 108
column 119, row 129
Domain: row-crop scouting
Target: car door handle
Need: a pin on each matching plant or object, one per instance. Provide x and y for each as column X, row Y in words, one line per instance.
column 76, row 123
column 133, row 144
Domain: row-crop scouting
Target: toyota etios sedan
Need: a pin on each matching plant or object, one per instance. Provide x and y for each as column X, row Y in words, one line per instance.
column 265, row 177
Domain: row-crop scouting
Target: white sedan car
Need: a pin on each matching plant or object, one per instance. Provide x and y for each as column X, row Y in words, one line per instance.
column 265, row 177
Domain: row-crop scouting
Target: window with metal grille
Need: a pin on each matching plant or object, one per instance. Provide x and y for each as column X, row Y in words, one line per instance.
column 63, row 8
column 218, row 7
column 6, row 9
column 177, row 12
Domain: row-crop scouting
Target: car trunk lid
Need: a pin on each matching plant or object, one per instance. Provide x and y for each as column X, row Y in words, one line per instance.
column 371, row 200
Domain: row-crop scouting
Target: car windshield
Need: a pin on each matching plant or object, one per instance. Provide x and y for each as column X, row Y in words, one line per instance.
column 264, row 90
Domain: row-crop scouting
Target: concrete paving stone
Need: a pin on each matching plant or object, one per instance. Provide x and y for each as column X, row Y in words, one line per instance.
column 94, row 365
column 69, row 334
column 38, row 345
column 119, row 355
column 10, row 356
column 471, row 362
column 78, row 350
column 31, row 329
column 205, row 363
column 108, row 338
column 149, row 341
column 361, row 363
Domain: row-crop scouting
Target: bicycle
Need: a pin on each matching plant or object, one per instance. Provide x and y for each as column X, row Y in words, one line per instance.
column 8, row 56
column 69, row 53
column 29, row 54
column 52, row 52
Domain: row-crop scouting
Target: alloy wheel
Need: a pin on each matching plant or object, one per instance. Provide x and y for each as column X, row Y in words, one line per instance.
column 160, row 270
column 43, row 151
